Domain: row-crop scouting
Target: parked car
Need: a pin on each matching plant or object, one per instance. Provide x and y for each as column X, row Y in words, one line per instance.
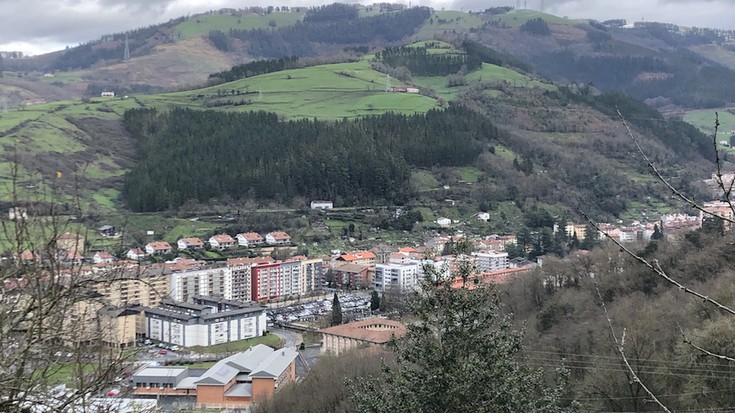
column 163, row 352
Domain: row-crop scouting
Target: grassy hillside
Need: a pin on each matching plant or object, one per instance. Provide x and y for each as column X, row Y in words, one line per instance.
column 704, row 119
column 201, row 25
column 335, row 91
column 446, row 21
column 519, row 17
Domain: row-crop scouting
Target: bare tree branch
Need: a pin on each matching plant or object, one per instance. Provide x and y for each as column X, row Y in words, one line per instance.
column 621, row 349
column 703, row 350
column 655, row 267
column 668, row 185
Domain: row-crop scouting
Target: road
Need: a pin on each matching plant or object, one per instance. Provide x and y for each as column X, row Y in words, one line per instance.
column 290, row 338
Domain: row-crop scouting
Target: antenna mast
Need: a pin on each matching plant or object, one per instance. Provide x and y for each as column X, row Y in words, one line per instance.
column 126, row 53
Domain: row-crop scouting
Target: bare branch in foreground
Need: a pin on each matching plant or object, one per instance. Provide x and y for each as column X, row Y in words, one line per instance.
column 671, row 187
column 655, row 267
column 621, row 349
column 705, row 351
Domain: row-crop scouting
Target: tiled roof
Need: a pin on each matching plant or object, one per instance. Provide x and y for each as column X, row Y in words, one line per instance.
column 160, row 245
column 374, row 330
column 279, row 235
column 223, row 239
column 192, row 241
column 251, row 236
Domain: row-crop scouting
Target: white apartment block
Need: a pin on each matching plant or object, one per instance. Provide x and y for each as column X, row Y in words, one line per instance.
column 402, row 276
column 491, row 261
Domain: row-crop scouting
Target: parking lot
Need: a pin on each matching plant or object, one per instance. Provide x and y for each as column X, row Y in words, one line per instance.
column 355, row 305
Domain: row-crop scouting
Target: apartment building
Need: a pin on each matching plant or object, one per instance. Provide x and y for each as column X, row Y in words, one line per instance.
column 206, row 281
column 402, row 276
column 491, row 261
column 206, row 322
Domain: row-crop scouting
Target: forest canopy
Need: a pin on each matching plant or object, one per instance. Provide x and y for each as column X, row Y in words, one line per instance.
column 200, row 155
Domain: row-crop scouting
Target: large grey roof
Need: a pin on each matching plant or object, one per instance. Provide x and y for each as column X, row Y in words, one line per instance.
column 250, row 359
column 160, row 372
column 226, row 369
column 220, row 373
column 276, row 363
column 231, row 313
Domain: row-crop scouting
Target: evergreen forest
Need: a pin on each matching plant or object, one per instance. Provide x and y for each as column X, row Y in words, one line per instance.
column 201, row 155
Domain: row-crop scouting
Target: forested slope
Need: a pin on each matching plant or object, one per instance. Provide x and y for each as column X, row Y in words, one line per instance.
column 199, row 155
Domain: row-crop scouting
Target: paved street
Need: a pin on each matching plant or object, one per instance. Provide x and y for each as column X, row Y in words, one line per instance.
column 290, row 338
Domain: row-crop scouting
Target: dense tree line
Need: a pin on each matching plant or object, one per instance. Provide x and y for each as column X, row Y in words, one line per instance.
column 331, row 12
column 302, row 38
column 683, row 77
column 681, row 137
column 422, row 63
column 220, row 40
column 537, row 26
column 201, row 155
column 255, row 68
column 494, row 57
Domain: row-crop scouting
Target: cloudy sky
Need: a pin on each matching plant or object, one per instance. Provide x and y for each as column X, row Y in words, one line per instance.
column 38, row 26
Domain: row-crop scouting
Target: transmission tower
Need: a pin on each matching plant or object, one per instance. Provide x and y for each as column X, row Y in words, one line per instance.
column 126, row 53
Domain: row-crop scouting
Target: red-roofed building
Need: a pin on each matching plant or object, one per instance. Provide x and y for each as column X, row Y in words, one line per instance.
column 135, row 254
column 102, row 257
column 277, row 238
column 366, row 258
column 372, row 332
column 250, row 239
column 192, row 243
column 222, row 242
column 157, row 248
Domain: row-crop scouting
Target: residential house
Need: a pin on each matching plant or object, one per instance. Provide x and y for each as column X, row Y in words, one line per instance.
column 101, row 257
column 191, row 243
column 372, row 332
column 107, row 231
column 444, row 222
column 135, row 254
column 277, row 238
column 322, row 205
column 70, row 243
column 483, row 216
column 222, row 242
column 249, row 239
column 157, row 248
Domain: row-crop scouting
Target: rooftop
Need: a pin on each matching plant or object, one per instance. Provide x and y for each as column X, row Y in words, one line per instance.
column 374, row 330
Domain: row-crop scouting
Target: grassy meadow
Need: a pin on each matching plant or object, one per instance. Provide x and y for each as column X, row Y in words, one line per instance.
column 201, row 25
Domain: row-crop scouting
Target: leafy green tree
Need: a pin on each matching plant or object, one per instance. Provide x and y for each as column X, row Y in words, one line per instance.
column 374, row 301
column 336, row 311
column 460, row 355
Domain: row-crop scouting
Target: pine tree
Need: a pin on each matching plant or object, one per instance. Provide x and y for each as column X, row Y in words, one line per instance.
column 657, row 233
column 374, row 301
column 460, row 355
column 336, row 311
